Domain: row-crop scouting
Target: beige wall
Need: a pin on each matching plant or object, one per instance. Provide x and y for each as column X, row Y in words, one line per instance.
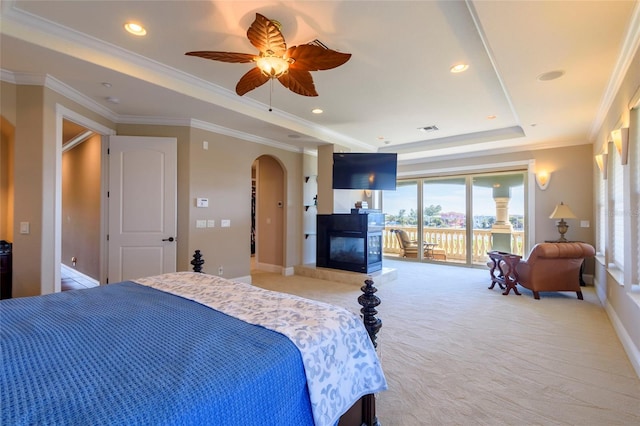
column 29, row 191
column 7, row 140
column 82, row 206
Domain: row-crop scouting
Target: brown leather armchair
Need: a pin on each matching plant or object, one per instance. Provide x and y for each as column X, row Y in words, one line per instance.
column 554, row 267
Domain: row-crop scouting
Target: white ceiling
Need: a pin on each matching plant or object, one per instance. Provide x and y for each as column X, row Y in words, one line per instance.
column 396, row 81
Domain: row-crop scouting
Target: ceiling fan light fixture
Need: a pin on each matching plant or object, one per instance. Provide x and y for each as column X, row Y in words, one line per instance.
column 272, row 66
column 290, row 66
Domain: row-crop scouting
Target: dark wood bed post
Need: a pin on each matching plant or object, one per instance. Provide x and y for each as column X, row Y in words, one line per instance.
column 197, row 261
column 368, row 300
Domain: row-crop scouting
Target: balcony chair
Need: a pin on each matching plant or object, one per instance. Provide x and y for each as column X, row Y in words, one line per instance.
column 554, row 267
column 409, row 247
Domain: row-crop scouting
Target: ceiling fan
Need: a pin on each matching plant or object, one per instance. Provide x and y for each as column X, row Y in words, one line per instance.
column 274, row 61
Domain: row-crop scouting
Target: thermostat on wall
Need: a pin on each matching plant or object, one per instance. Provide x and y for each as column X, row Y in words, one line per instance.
column 202, row 202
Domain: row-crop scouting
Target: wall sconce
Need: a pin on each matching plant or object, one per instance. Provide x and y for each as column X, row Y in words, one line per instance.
column 621, row 141
column 601, row 160
column 543, row 178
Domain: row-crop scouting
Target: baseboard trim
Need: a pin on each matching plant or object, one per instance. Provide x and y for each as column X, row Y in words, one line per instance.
column 629, row 347
column 267, row 267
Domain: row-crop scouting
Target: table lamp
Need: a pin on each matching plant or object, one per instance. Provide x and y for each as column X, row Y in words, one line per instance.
column 562, row 212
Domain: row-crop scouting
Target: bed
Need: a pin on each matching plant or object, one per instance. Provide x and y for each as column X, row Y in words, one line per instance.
column 187, row 348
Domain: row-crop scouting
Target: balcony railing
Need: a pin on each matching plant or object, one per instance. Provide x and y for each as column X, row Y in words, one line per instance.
column 453, row 241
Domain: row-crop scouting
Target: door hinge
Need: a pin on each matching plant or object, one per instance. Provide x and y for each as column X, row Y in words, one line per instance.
column 108, row 151
column 107, row 237
column 108, row 194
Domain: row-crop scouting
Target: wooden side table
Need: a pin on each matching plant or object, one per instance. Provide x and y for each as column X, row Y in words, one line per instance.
column 507, row 278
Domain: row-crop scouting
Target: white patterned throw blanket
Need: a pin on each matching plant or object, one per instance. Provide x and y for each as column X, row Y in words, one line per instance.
column 340, row 361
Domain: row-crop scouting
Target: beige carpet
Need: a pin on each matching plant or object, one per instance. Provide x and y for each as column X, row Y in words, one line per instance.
column 456, row 353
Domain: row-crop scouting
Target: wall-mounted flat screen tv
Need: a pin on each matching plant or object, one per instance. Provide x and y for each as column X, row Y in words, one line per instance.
column 355, row 170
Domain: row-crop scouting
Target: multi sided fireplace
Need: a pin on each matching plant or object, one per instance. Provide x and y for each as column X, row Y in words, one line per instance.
column 351, row 242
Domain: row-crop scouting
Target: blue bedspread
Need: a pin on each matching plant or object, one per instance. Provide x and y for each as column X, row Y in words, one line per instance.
column 126, row 354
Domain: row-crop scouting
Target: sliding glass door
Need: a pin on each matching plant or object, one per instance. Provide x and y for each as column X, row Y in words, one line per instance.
column 400, row 208
column 445, row 219
column 463, row 217
column 498, row 214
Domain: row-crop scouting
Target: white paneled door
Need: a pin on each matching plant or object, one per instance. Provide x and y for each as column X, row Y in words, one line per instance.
column 142, row 206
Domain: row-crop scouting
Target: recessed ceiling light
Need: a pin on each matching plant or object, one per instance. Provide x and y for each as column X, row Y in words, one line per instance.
column 459, row 68
column 491, row 117
column 431, row 128
column 113, row 100
column 551, row 75
column 135, row 28
column 317, row 111
column 107, row 85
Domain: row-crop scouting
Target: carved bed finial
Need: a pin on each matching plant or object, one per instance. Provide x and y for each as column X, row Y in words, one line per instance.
column 197, row 261
column 369, row 301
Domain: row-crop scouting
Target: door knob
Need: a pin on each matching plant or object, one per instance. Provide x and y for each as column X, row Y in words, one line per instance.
column 170, row 239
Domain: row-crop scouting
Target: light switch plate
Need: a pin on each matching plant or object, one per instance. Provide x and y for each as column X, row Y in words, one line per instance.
column 211, row 223
column 225, row 223
column 201, row 223
column 584, row 224
column 24, row 227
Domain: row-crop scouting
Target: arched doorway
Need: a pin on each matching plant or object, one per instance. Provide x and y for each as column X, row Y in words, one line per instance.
column 268, row 214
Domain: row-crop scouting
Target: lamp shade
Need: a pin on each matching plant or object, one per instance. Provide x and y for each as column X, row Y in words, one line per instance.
column 562, row 211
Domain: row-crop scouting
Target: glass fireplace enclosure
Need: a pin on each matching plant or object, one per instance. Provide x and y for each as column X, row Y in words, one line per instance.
column 350, row 242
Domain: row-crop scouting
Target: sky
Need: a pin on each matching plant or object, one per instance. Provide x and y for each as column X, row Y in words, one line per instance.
column 452, row 198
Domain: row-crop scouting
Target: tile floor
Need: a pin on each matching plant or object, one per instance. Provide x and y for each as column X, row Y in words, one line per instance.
column 74, row 280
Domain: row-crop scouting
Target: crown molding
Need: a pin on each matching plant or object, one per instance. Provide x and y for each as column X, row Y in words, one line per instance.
column 198, row 124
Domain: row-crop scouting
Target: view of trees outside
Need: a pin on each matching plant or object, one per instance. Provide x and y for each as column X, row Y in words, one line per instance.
column 449, row 211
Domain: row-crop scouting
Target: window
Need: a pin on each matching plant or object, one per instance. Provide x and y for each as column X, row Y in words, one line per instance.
column 616, row 209
column 601, row 214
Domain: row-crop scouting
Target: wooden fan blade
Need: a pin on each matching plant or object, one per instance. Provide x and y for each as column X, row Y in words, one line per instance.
column 310, row 57
column 223, row 56
column 299, row 81
column 254, row 78
column 266, row 36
